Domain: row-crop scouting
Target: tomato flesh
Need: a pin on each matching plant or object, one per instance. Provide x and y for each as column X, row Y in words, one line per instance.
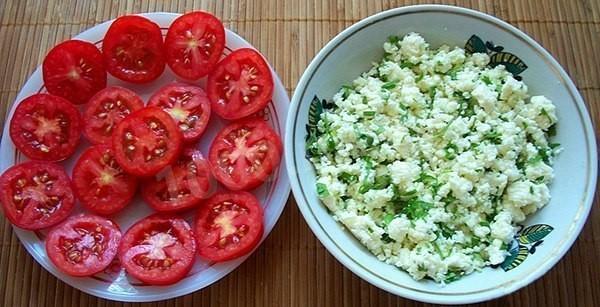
column 240, row 85
column 146, row 141
column 181, row 187
column 244, row 154
column 36, row 194
column 188, row 106
column 83, row 245
column 194, row 44
column 100, row 183
column 45, row 127
column 229, row 225
column 74, row 70
column 158, row 250
column 133, row 49
column 106, row 109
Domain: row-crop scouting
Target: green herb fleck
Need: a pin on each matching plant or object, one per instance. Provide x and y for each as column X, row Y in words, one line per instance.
column 389, row 85
column 322, row 190
column 416, row 209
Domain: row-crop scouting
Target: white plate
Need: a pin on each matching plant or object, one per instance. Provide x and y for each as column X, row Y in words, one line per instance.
column 273, row 194
column 352, row 52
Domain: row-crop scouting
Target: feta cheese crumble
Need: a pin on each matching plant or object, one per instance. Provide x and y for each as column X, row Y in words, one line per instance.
column 431, row 157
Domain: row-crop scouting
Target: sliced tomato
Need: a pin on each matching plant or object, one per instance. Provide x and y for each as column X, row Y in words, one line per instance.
column 158, row 250
column 146, row 141
column 83, row 245
column 100, row 183
column 194, row 44
column 229, row 225
column 182, row 186
column 188, row 106
column 240, row 85
column 36, row 194
column 74, row 70
column 106, row 109
column 45, row 127
column 244, row 154
column 133, row 49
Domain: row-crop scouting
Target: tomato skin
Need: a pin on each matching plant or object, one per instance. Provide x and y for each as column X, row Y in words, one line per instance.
column 99, row 182
column 240, row 85
column 189, row 38
column 260, row 145
column 229, row 225
column 165, row 137
column 73, row 246
column 45, row 127
column 133, row 49
column 188, row 105
column 105, row 110
column 74, row 70
column 184, row 186
column 42, row 189
column 145, row 254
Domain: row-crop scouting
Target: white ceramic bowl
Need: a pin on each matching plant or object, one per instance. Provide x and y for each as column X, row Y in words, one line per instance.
column 116, row 285
column 352, row 52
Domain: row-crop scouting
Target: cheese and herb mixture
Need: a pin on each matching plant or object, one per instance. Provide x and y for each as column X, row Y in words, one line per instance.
column 432, row 157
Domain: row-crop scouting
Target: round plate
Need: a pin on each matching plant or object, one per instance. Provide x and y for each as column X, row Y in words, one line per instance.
column 352, row 52
column 114, row 284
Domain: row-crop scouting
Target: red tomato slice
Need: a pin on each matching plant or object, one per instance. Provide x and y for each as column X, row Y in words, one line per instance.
column 158, row 250
column 36, row 194
column 240, row 85
column 244, row 154
column 83, row 245
column 133, row 49
column 100, row 183
column 45, row 127
column 194, row 44
column 181, row 187
column 229, row 225
column 188, row 106
column 146, row 141
column 74, row 70
column 105, row 110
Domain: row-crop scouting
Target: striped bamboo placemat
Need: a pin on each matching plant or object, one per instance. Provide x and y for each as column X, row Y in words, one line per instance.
column 292, row 268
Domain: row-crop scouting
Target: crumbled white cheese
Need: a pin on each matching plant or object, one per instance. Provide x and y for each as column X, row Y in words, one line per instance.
column 431, row 158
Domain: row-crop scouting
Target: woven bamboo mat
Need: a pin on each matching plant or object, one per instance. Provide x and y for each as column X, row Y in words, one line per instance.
column 292, row 268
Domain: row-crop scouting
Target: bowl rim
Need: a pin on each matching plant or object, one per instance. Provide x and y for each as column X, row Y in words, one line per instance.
column 433, row 297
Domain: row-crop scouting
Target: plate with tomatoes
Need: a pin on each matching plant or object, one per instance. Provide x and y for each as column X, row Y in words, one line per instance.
column 142, row 160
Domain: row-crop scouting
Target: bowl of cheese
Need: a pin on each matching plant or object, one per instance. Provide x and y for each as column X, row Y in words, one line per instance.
column 441, row 154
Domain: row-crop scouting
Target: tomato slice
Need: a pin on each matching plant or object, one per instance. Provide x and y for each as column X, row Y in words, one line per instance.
column 45, row 127
column 244, row 154
column 133, row 49
column 99, row 182
column 83, row 245
column 106, row 109
column 194, row 44
column 181, row 187
column 240, row 85
column 36, row 194
column 158, row 250
column 229, row 225
column 74, row 70
column 146, row 141
column 188, row 106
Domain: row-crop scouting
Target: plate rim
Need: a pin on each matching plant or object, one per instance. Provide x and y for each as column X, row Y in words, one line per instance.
column 177, row 290
column 356, row 267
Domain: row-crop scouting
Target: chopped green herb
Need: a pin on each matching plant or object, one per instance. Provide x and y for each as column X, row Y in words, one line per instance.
column 493, row 136
column 382, row 182
column 552, row 130
column 386, row 238
column 486, row 80
column 453, row 275
column 368, row 139
column 430, row 182
column 348, row 178
column 346, row 91
column 364, row 188
column 387, row 219
column 450, row 151
column 369, row 113
column 389, row 85
column 393, row 39
column 322, row 190
column 416, row 209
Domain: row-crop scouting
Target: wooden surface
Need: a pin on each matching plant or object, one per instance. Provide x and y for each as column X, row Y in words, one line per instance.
column 292, row 268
